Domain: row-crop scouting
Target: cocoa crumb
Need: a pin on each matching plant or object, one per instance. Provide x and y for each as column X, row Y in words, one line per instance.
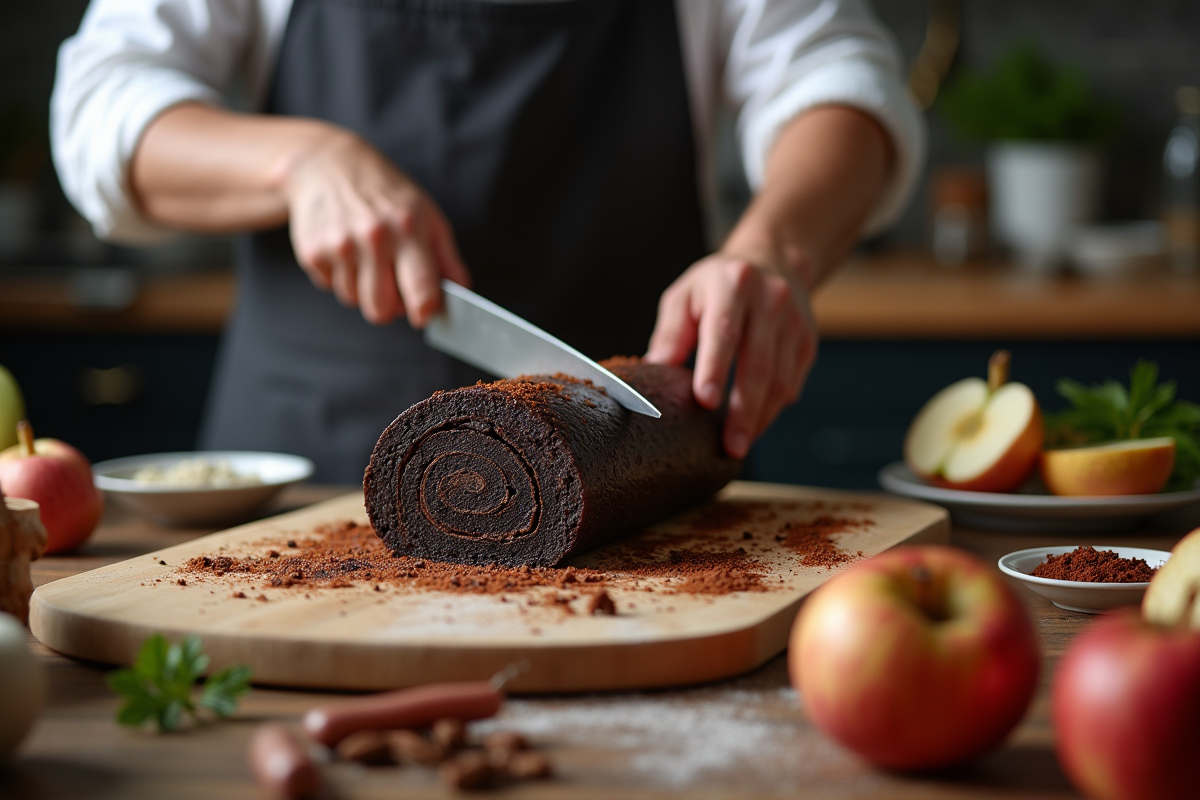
column 160, row 561
column 601, row 604
column 240, row 595
column 273, row 554
column 291, row 543
column 262, row 598
column 181, row 582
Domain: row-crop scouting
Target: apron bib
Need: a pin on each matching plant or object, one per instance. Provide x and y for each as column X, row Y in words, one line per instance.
column 555, row 136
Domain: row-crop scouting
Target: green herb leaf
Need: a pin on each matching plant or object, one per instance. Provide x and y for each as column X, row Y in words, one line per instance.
column 152, row 658
column 1109, row 412
column 159, row 687
column 222, row 690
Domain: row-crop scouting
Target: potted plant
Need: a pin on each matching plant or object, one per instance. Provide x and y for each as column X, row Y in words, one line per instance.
column 1042, row 125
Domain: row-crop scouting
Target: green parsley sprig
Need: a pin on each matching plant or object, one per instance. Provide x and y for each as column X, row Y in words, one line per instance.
column 160, row 686
column 1109, row 412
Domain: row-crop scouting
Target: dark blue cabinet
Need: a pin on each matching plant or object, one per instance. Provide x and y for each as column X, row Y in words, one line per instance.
column 861, row 397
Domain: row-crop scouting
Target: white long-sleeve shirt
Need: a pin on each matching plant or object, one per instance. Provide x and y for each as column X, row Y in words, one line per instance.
column 769, row 59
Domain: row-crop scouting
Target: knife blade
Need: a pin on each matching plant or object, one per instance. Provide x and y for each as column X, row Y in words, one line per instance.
column 475, row 330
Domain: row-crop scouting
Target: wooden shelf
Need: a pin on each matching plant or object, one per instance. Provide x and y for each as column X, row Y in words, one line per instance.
column 185, row 303
column 892, row 296
column 908, row 296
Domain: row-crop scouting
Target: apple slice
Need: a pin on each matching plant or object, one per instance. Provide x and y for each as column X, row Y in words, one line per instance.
column 977, row 436
column 1135, row 466
column 1171, row 596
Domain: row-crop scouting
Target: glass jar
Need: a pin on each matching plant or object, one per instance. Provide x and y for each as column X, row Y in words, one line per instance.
column 1181, row 183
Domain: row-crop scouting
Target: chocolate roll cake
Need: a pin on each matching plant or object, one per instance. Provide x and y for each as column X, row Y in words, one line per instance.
column 533, row 470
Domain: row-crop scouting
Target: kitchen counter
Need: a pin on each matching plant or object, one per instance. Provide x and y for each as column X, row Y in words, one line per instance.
column 899, row 295
column 742, row 738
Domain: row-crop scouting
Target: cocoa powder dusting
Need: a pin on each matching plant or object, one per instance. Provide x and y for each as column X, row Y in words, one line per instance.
column 811, row 540
column 1094, row 566
column 338, row 555
column 704, row 554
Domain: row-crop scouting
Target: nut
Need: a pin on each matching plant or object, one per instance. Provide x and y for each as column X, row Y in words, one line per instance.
column 527, row 765
column 366, row 747
column 413, row 747
column 449, row 734
column 468, row 770
column 505, row 740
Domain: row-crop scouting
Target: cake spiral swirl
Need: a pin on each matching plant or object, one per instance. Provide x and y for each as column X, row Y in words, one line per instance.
column 533, row 470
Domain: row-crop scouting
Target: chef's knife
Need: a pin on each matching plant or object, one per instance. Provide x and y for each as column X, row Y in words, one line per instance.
column 484, row 335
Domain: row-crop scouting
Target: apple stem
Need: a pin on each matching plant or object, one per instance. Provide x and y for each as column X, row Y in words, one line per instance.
column 25, row 437
column 998, row 367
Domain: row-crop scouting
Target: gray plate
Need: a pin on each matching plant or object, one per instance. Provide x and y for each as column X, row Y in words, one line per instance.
column 1028, row 511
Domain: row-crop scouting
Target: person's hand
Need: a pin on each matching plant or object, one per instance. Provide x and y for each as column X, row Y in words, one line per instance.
column 364, row 229
column 724, row 307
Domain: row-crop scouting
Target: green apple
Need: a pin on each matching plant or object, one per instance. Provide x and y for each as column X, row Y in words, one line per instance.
column 12, row 408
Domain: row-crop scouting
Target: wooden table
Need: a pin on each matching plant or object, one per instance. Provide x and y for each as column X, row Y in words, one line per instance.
column 743, row 738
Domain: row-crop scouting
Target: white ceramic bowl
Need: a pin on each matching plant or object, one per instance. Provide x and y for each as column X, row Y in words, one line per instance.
column 200, row 505
column 1117, row 248
column 1089, row 598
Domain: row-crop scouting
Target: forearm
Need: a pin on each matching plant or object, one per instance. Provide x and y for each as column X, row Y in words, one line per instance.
column 202, row 168
column 825, row 173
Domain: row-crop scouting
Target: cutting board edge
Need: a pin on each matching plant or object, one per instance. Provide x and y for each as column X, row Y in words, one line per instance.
column 608, row 666
column 689, row 659
column 668, row 661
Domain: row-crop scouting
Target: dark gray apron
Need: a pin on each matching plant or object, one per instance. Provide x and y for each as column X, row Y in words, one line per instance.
column 556, row 137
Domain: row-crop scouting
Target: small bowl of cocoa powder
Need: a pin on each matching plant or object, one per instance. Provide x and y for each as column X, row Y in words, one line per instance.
column 1086, row 579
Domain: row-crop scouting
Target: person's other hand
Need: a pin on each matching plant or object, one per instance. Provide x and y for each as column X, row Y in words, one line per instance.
column 725, row 306
column 364, row 229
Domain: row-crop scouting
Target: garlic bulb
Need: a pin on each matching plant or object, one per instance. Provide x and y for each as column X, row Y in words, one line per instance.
column 21, row 685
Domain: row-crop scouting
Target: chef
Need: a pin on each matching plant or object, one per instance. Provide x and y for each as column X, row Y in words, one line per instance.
column 554, row 154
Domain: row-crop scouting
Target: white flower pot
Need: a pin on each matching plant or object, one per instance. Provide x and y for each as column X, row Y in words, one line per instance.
column 1041, row 193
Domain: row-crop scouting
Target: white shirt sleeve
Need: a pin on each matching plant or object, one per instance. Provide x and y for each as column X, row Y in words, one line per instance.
column 786, row 56
column 133, row 59
column 130, row 61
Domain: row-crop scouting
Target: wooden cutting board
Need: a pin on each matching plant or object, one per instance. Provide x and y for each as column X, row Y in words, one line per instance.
column 358, row 637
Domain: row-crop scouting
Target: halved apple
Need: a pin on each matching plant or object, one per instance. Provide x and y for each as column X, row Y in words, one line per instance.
column 1170, row 599
column 1134, row 466
column 975, row 435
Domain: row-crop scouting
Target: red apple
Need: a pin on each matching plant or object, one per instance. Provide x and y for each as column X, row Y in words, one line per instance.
column 920, row 657
column 977, row 436
column 54, row 448
column 1126, row 709
column 59, row 479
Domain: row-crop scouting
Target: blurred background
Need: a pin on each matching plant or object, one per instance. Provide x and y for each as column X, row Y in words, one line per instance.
column 1057, row 217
